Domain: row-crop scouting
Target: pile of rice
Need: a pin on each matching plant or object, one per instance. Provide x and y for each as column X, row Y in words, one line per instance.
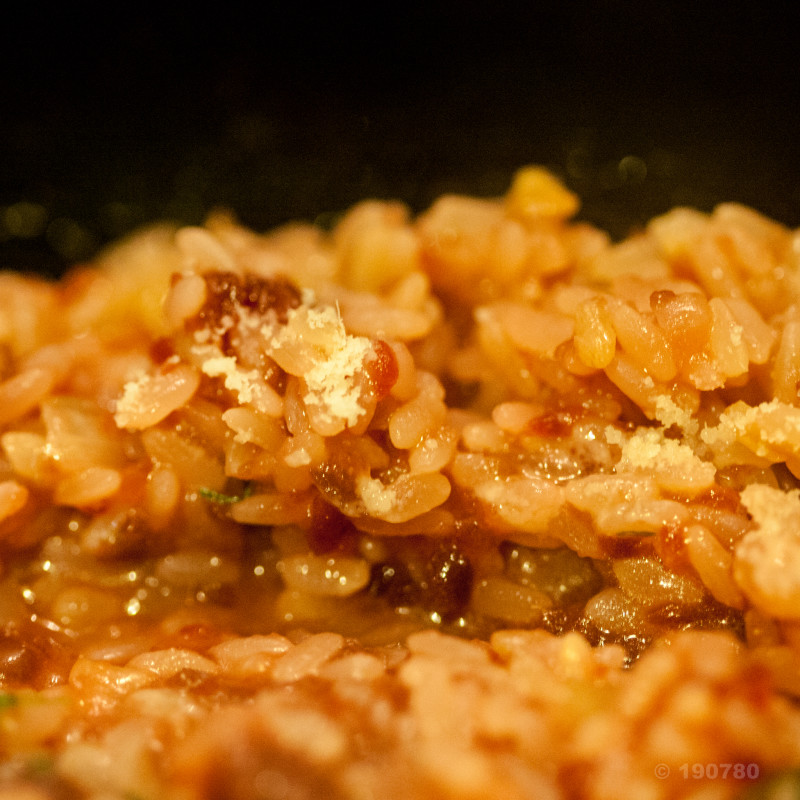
column 478, row 504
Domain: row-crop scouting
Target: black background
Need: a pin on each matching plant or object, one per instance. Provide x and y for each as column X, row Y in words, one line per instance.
column 113, row 119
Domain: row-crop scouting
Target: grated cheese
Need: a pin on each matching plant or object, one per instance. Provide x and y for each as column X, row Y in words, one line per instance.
column 130, row 405
column 674, row 464
column 330, row 361
column 331, row 383
column 298, row 458
column 237, row 380
column 770, row 430
column 767, row 559
column 248, row 385
column 669, row 413
column 379, row 500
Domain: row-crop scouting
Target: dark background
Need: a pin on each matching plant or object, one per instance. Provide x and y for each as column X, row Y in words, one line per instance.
column 109, row 122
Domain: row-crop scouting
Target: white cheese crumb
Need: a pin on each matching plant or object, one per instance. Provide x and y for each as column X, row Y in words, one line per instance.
column 771, row 430
column 767, row 563
column 130, row 404
column 236, row 380
column 668, row 413
column 298, row 458
column 314, row 345
column 331, row 383
column 246, row 384
column 673, row 463
column 614, row 436
column 379, row 500
column 320, row 318
column 773, row 510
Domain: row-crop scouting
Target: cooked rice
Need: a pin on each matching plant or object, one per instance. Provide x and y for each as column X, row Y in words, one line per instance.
column 478, row 504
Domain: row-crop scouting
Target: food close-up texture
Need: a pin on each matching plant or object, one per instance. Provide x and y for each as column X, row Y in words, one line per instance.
column 470, row 503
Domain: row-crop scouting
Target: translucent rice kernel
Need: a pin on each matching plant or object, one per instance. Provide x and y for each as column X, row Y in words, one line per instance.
column 82, row 606
column 361, row 667
column 233, row 652
column 330, row 576
column 184, row 299
column 510, row 251
column 13, row 497
column 408, row 497
column 532, row 330
column 528, row 503
column 634, row 381
column 514, row 417
column 99, row 678
column 28, row 456
column 648, row 582
column 676, row 231
column 405, row 386
column 447, row 648
column 757, row 334
column 713, row 267
column 643, row 340
column 501, row 598
column 637, row 257
column 80, row 435
column 196, row 568
column 727, row 341
column 409, row 423
column 172, row 661
column 202, row 250
column 195, row 466
column 766, row 562
column 686, row 318
column 613, row 611
column 547, row 253
column 162, row 494
column 595, row 340
column 713, row 564
column 537, row 194
column 786, row 365
column 307, row 657
column 23, row 392
column 376, row 246
column 433, row 453
column 150, row 399
column 270, row 509
column 88, row 487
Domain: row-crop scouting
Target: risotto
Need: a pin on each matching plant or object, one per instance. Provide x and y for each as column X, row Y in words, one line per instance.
column 473, row 504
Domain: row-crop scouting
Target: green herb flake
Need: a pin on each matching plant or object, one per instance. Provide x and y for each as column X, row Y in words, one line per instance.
column 221, row 498
column 8, row 700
